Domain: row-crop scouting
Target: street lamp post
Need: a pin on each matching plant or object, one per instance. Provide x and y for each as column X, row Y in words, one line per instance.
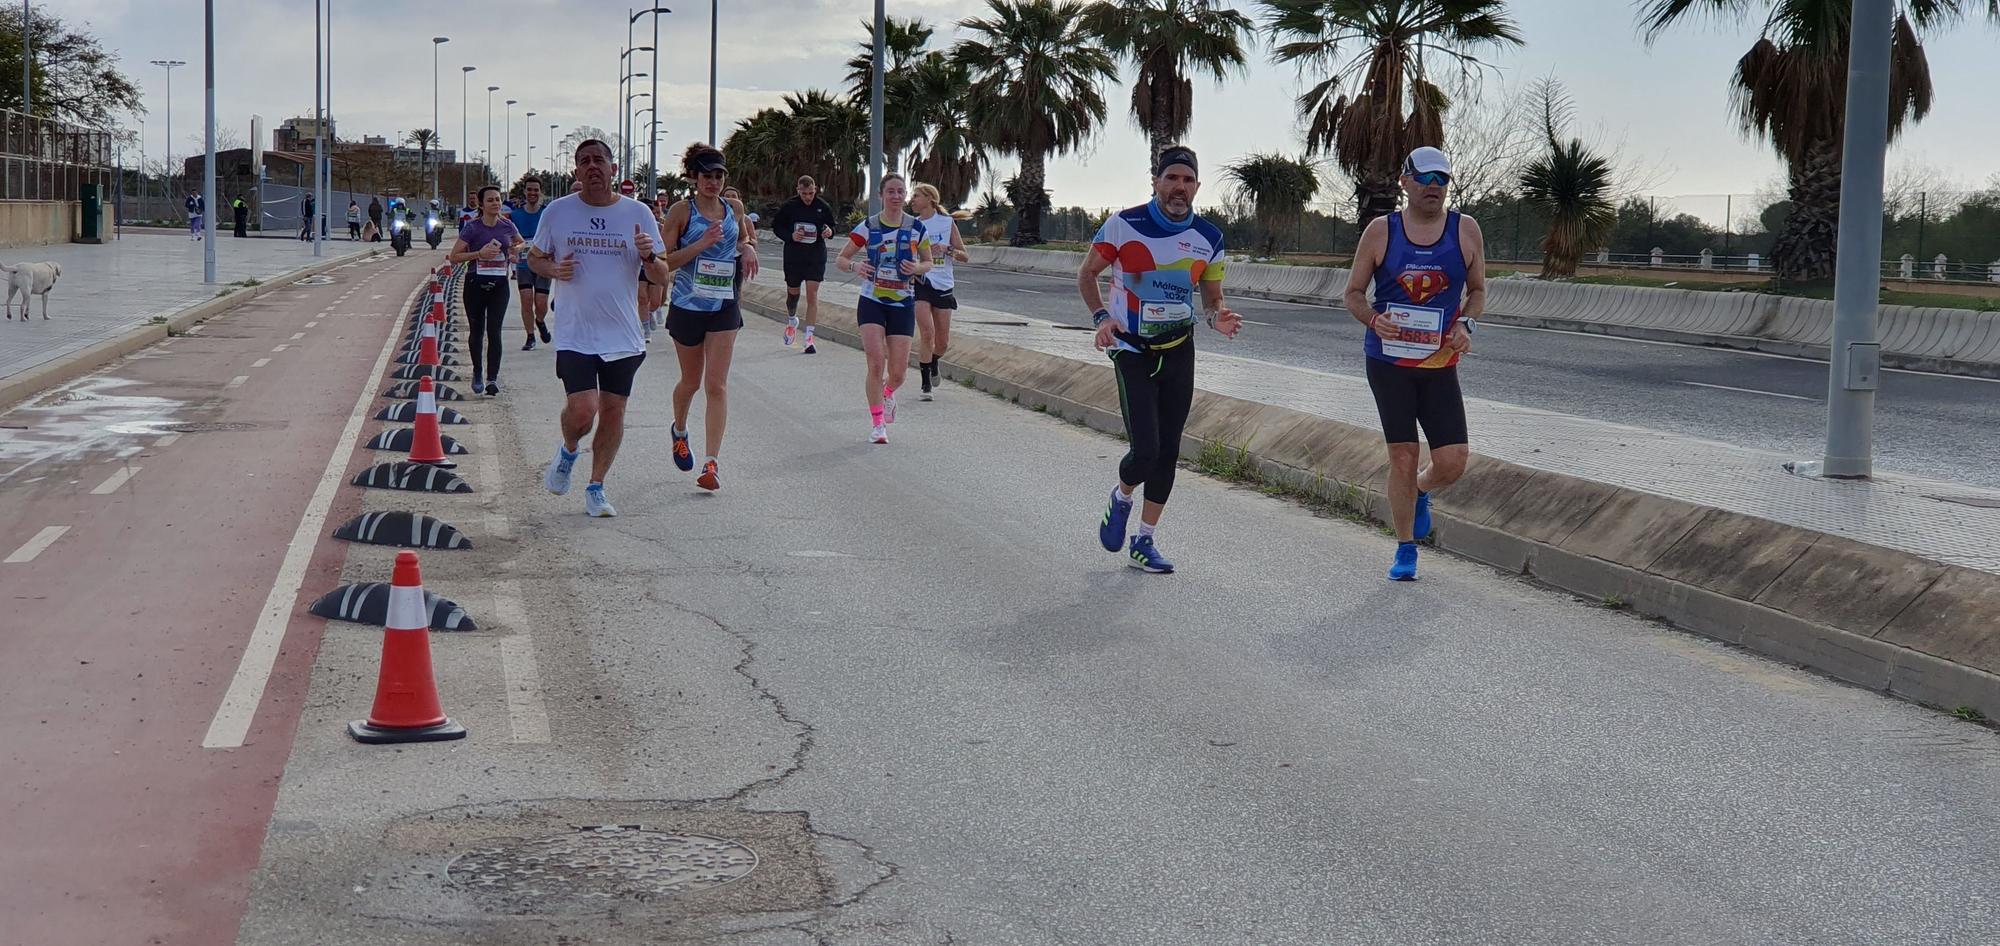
column 319, row 128
column 464, row 131
column 555, row 160
column 625, row 100
column 875, row 116
column 528, row 133
column 489, row 130
column 436, row 41
column 653, row 146
column 714, row 18
column 168, row 161
column 508, row 181
column 208, row 166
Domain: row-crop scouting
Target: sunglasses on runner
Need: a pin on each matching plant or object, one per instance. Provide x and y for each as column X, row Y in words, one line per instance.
column 1432, row 178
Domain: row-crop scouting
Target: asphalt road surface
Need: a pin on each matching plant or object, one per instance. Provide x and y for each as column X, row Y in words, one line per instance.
column 1929, row 425
column 910, row 681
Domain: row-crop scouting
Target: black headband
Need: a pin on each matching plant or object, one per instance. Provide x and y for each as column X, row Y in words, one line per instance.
column 1176, row 155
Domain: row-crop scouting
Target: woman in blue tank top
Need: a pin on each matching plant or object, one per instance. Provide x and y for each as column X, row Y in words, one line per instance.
column 702, row 312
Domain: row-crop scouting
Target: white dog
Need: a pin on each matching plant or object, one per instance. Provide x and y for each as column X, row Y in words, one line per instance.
column 30, row 279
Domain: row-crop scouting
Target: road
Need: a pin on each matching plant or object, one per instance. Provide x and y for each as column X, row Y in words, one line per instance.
column 1929, row 425
column 908, row 680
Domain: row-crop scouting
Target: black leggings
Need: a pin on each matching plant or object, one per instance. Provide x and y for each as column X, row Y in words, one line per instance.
column 486, row 311
column 1155, row 391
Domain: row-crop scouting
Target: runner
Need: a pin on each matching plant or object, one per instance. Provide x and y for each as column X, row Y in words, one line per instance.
column 469, row 211
column 935, row 302
column 651, row 295
column 711, row 239
column 886, row 312
column 488, row 242
column 534, row 289
column 588, row 243
column 804, row 224
column 749, row 221
column 1158, row 254
column 1428, row 267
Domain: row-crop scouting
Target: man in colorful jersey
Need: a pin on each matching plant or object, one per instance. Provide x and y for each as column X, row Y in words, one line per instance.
column 527, row 216
column 1427, row 267
column 1158, row 254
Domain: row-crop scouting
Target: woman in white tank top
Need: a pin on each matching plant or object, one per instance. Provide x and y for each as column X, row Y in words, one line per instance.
column 935, row 301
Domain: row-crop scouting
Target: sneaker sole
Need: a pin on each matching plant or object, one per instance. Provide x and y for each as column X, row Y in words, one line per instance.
column 1148, row 569
column 707, row 483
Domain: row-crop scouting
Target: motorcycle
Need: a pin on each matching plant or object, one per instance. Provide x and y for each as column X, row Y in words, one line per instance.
column 433, row 231
column 399, row 239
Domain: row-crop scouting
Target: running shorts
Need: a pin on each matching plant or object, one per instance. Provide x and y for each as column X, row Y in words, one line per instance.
column 580, row 372
column 528, row 280
column 803, row 268
column 936, row 298
column 689, row 327
column 894, row 319
column 1407, row 397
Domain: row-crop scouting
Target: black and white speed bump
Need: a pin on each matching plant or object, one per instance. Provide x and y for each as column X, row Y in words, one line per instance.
column 403, row 530
column 407, row 390
column 398, row 439
column 411, row 359
column 369, row 604
column 405, row 412
column 414, row 477
column 413, row 372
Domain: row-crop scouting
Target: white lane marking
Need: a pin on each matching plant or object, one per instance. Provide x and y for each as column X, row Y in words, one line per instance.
column 313, row 324
column 527, row 711
column 279, row 349
column 115, row 480
column 1724, row 387
column 261, row 362
column 298, row 335
column 166, row 441
column 260, row 654
column 237, row 381
column 1255, row 322
column 375, row 296
column 33, row 547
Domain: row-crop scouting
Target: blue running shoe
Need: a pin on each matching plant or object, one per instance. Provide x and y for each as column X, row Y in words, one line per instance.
column 594, row 503
column 1405, row 568
column 1111, row 532
column 1145, row 556
column 1422, row 527
column 683, row 457
column 556, row 478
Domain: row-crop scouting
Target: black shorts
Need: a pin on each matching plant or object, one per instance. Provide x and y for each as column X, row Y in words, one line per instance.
column 529, row 281
column 689, row 327
column 1407, row 397
column 934, row 297
column 894, row 319
column 804, row 268
column 580, row 372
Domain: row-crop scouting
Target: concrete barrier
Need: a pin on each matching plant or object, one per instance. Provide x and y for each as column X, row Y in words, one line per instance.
column 1950, row 341
column 1872, row 616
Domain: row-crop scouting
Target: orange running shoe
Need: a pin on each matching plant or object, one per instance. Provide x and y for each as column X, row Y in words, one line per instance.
column 683, row 457
column 707, row 478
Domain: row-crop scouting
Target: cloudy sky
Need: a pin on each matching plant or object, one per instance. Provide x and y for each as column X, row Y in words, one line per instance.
column 1664, row 105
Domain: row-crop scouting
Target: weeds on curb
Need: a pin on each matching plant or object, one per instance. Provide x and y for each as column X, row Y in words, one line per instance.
column 1969, row 714
column 157, row 320
column 1321, row 496
column 1616, row 603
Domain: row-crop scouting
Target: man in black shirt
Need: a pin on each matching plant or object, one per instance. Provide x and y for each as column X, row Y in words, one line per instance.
column 804, row 224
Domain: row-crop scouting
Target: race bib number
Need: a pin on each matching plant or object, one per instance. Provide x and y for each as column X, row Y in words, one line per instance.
column 1157, row 318
column 490, row 267
column 715, row 279
column 1420, row 330
column 805, row 233
column 889, row 272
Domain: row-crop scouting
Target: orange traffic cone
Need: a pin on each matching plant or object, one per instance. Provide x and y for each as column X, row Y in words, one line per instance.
column 406, row 699
column 425, row 445
column 437, row 309
column 427, row 345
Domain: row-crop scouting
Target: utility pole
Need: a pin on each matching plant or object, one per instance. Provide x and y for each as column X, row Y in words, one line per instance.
column 714, row 30
column 1855, row 357
column 168, row 65
column 209, row 207
column 874, row 115
column 27, row 61
column 508, row 181
column 528, row 135
column 489, row 131
column 464, row 133
column 319, row 129
column 436, row 41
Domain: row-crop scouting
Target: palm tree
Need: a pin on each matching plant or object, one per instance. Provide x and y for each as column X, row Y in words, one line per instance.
column 1165, row 39
column 1572, row 183
column 901, row 124
column 423, row 138
column 815, row 133
column 947, row 154
column 991, row 216
column 1370, row 109
column 1277, row 188
column 1791, row 89
column 1036, row 73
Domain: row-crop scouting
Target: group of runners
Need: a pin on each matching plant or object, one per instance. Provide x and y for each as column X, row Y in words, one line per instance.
column 1417, row 286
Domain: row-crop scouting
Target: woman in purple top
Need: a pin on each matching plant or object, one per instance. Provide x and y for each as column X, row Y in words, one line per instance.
column 489, row 242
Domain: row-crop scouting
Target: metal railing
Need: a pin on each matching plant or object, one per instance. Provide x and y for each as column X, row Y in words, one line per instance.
column 44, row 159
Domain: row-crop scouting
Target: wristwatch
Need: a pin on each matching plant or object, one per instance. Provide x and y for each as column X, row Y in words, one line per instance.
column 1097, row 318
column 1470, row 324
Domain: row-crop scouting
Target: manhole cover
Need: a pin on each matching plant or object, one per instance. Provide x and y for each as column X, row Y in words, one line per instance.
column 202, row 427
column 608, row 862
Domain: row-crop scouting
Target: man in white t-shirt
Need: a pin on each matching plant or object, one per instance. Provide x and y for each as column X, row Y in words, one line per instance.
column 589, row 243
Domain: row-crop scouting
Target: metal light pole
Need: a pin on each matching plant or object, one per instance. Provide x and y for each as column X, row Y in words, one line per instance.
column 555, row 160
column 27, row 61
column 653, row 148
column 436, row 41
column 528, row 134
column 169, row 64
column 332, row 140
column 625, row 102
column 319, row 123
column 875, row 116
column 1854, row 359
column 508, row 181
column 714, row 16
column 208, row 204
column 489, row 130
column 464, row 135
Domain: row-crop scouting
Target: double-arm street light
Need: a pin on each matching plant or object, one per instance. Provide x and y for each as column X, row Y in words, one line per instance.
column 528, row 133
column 508, row 180
column 653, row 147
column 489, row 131
column 625, row 100
column 436, row 41
column 464, row 123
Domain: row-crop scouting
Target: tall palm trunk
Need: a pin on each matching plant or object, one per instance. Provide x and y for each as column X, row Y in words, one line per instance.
column 1805, row 247
column 1034, row 173
column 1376, row 198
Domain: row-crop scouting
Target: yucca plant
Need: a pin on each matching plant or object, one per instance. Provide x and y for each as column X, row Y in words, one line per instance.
column 1277, row 188
column 1572, row 183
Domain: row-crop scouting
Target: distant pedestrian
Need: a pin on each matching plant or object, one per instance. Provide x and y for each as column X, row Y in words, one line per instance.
column 375, row 218
column 306, row 209
column 353, row 220
column 242, row 209
column 194, row 211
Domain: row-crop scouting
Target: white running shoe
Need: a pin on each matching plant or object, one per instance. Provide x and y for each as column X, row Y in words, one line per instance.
column 594, row 503
column 556, row 477
column 888, row 409
column 879, row 435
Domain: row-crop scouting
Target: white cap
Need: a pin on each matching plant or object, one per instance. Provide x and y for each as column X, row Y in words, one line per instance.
column 1426, row 159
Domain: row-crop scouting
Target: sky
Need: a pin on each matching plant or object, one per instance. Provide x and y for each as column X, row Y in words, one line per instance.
column 1664, row 106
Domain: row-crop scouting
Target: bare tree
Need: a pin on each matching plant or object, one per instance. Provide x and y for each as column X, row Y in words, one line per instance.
column 225, row 139
column 1490, row 139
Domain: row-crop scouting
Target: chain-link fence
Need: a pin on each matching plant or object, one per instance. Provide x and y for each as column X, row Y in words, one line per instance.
column 43, row 159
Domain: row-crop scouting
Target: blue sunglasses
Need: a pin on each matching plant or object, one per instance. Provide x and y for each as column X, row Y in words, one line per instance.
column 1432, row 178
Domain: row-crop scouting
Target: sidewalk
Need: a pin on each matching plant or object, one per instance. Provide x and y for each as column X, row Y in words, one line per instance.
column 106, row 291
column 1946, row 522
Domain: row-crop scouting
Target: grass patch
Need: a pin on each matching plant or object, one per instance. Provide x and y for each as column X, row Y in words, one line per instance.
column 157, row 320
column 1969, row 714
column 1616, row 603
column 226, row 290
column 252, row 281
column 1321, row 496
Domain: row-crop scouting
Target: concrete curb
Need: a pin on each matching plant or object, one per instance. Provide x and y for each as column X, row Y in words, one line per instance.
column 76, row 364
column 1871, row 616
column 1942, row 341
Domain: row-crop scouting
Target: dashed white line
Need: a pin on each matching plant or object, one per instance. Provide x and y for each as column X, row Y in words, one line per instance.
column 237, row 381
column 115, row 480
column 42, row 540
column 298, row 335
column 1034, row 292
column 1724, row 387
column 279, row 349
column 166, row 441
column 261, row 362
column 312, row 324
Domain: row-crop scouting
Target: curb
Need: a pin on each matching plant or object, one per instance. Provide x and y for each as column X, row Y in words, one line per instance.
column 1874, row 617
column 76, row 364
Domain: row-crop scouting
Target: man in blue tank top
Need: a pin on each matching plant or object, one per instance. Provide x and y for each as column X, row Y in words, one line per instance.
column 527, row 216
column 1427, row 267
